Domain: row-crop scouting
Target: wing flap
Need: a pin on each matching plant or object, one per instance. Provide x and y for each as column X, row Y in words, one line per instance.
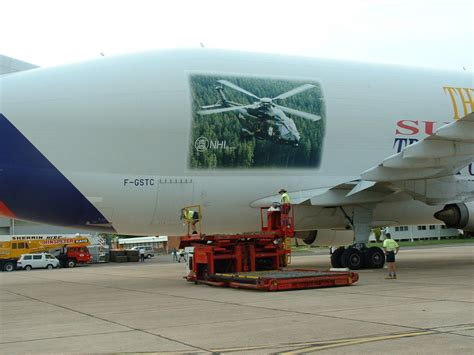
column 438, row 149
column 461, row 131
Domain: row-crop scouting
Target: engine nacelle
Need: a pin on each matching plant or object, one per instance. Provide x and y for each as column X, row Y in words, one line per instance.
column 326, row 237
column 308, row 237
column 458, row 215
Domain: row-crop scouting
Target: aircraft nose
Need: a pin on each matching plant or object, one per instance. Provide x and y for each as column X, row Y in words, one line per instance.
column 32, row 188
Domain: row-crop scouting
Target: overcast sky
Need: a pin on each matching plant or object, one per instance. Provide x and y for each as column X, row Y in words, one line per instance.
column 432, row 33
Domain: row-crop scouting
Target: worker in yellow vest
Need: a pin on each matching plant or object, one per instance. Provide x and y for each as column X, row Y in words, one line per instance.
column 391, row 248
column 285, row 201
column 285, row 206
column 191, row 217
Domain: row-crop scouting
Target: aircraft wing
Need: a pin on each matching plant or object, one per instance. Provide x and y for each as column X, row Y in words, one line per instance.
column 426, row 170
column 444, row 153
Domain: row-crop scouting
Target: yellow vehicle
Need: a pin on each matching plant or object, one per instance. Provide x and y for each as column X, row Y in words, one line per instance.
column 69, row 249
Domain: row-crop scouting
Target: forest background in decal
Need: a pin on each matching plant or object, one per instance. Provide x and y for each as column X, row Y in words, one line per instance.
column 253, row 122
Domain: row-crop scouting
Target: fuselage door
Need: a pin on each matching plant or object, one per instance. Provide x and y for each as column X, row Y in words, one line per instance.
column 174, row 193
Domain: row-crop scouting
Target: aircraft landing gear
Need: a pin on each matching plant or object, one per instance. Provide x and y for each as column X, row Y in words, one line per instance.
column 352, row 258
column 358, row 256
column 356, row 259
column 336, row 257
column 374, row 258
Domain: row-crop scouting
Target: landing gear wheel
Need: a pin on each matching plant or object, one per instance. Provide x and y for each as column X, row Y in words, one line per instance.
column 71, row 263
column 336, row 255
column 374, row 258
column 352, row 258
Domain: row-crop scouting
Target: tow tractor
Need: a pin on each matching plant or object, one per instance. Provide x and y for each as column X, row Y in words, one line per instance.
column 255, row 260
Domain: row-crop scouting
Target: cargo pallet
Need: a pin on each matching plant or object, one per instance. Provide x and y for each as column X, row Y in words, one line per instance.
column 256, row 261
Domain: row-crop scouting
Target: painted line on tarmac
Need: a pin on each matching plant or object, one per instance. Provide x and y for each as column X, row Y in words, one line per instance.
column 283, row 345
column 326, row 344
column 310, row 346
column 356, row 341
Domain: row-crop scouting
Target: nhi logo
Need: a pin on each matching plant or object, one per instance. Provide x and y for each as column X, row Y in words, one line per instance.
column 202, row 144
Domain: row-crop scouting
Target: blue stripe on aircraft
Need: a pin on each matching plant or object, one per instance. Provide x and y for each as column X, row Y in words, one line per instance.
column 34, row 189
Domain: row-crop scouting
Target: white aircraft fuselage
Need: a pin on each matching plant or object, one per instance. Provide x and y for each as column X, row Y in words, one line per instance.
column 116, row 143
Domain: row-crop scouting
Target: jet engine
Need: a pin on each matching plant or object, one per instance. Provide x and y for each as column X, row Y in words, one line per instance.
column 458, row 215
column 326, row 237
column 308, row 237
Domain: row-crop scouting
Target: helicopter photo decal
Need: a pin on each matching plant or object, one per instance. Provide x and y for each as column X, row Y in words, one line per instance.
column 254, row 122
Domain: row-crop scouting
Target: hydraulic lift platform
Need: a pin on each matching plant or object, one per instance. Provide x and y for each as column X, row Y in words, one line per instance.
column 256, row 261
column 281, row 280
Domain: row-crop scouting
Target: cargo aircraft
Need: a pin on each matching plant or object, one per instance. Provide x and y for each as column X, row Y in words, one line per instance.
column 121, row 144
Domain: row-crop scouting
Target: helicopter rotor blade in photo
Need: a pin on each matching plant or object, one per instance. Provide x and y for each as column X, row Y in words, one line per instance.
column 294, row 91
column 225, row 109
column 238, row 88
column 306, row 115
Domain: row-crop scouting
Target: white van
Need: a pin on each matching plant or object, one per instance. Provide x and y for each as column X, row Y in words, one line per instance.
column 37, row 261
column 149, row 251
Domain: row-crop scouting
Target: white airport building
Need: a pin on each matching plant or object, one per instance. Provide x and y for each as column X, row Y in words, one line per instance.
column 421, row 232
column 159, row 242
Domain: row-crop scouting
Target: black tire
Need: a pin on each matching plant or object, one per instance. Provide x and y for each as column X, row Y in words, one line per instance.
column 8, row 267
column 49, row 267
column 374, row 258
column 203, row 272
column 336, row 257
column 149, row 256
column 353, row 259
column 71, row 263
column 28, row 267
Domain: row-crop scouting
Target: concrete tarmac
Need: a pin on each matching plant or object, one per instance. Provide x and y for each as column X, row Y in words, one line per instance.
column 148, row 307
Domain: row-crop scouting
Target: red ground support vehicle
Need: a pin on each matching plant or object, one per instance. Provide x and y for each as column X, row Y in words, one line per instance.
column 256, row 261
column 74, row 255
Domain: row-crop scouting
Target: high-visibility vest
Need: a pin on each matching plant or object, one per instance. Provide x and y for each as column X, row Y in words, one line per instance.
column 285, row 198
column 390, row 245
column 190, row 215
